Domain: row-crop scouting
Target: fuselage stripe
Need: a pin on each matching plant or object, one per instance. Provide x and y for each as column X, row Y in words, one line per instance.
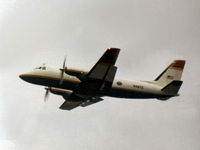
column 74, row 81
column 47, row 77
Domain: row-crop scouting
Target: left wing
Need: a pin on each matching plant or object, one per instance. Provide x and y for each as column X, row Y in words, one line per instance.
column 73, row 100
column 69, row 105
column 92, row 101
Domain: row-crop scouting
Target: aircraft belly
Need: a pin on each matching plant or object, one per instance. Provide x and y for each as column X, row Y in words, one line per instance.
column 130, row 94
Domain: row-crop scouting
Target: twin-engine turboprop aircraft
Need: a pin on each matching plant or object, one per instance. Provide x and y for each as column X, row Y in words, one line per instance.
column 80, row 88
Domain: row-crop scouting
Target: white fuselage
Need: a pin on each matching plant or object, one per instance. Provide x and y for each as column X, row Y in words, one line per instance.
column 120, row 88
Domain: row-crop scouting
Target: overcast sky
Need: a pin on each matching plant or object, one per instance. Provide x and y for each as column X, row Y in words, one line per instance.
column 150, row 33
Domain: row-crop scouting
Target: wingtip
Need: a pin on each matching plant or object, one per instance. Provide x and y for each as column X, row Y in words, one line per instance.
column 113, row 48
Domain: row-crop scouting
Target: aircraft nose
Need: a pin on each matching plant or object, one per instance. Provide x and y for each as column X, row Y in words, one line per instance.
column 24, row 77
column 21, row 76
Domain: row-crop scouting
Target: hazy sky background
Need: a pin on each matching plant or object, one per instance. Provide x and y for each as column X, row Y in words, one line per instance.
column 150, row 33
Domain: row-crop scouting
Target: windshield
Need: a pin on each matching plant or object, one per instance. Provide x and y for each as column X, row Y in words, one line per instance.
column 41, row 67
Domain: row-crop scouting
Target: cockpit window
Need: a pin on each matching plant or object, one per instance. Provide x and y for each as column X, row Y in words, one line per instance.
column 38, row 68
column 42, row 68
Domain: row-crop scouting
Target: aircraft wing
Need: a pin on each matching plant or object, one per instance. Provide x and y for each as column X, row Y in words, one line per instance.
column 69, row 105
column 101, row 76
column 90, row 102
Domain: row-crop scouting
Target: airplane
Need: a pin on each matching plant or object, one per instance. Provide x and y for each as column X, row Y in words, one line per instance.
column 81, row 88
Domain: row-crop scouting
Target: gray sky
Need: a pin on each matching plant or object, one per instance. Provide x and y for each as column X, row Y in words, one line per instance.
column 150, row 34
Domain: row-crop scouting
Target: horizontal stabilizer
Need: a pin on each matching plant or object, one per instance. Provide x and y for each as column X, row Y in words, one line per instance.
column 172, row 88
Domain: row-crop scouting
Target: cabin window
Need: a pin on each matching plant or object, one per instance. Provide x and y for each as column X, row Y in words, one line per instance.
column 43, row 68
column 119, row 83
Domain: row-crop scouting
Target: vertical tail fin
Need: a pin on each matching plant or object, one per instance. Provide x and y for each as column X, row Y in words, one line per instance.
column 171, row 73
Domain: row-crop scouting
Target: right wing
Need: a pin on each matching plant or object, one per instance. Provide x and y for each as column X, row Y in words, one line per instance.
column 101, row 76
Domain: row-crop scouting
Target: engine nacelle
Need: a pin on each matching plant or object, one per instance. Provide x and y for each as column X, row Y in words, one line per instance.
column 65, row 93
column 81, row 75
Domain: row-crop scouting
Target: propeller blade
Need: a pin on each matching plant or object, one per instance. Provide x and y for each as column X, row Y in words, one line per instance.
column 46, row 96
column 63, row 71
column 64, row 62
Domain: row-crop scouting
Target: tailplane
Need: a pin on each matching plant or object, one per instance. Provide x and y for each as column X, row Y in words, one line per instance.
column 172, row 88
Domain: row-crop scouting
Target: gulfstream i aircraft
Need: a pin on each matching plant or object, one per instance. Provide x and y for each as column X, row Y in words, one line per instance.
column 80, row 88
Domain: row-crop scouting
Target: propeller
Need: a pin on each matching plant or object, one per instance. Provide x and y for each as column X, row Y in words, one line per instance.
column 63, row 70
column 46, row 96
